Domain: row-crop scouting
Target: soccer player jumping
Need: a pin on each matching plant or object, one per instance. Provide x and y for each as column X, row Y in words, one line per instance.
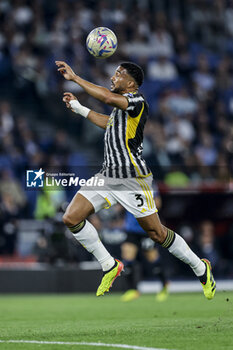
column 128, row 180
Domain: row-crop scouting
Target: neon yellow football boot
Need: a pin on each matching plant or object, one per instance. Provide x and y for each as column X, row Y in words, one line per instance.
column 130, row 295
column 207, row 281
column 162, row 295
column 109, row 277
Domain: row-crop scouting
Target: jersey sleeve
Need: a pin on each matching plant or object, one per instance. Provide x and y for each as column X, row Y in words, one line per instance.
column 135, row 104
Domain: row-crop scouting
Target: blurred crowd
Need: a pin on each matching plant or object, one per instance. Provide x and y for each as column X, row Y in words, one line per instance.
column 185, row 49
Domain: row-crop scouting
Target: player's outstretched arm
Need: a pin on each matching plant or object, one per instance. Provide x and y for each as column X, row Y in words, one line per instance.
column 72, row 103
column 98, row 119
column 99, row 92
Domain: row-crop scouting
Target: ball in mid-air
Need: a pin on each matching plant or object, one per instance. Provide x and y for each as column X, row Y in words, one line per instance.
column 101, row 42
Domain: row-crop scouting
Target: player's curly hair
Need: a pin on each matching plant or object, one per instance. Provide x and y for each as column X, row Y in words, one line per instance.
column 135, row 71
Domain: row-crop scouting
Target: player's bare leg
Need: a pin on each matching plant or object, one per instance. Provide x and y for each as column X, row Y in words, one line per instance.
column 77, row 211
column 177, row 246
column 152, row 225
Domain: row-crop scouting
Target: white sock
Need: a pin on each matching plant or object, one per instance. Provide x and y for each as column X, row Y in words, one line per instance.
column 89, row 238
column 181, row 250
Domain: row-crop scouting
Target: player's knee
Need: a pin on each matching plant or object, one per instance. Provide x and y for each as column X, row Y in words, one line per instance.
column 158, row 235
column 68, row 220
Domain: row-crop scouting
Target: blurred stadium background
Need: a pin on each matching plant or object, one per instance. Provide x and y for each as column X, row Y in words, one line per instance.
column 185, row 49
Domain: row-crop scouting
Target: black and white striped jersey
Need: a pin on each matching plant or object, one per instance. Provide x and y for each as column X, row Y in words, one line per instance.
column 124, row 140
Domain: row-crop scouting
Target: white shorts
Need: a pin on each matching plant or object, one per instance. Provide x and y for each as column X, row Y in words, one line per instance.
column 134, row 194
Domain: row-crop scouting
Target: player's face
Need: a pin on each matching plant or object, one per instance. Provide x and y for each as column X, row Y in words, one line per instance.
column 119, row 80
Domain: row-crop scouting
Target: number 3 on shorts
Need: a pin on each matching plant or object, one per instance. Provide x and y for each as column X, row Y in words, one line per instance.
column 139, row 198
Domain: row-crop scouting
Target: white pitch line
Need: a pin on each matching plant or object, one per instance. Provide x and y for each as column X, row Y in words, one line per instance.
column 122, row 346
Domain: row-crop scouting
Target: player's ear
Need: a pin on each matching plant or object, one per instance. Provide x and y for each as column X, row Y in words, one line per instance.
column 131, row 84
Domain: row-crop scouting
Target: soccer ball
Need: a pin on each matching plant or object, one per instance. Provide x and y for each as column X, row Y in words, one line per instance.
column 101, row 42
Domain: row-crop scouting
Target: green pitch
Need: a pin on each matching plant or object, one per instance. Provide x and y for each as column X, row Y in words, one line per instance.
column 183, row 322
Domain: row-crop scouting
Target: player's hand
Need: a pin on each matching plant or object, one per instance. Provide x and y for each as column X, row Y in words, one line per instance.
column 65, row 70
column 68, row 96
